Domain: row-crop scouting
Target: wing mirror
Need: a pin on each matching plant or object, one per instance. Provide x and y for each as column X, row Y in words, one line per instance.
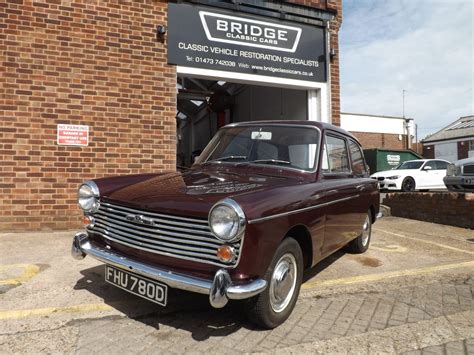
column 426, row 168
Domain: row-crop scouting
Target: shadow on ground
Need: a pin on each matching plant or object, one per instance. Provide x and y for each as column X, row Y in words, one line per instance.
column 185, row 310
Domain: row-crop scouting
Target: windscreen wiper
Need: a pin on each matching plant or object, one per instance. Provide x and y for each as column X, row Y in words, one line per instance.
column 270, row 161
column 227, row 158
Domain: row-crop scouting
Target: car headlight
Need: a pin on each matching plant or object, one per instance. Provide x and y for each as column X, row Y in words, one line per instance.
column 453, row 170
column 394, row 177
column 88, row 197
column 227, row 220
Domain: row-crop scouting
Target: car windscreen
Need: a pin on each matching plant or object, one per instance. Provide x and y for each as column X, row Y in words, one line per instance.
column 410, row 165
column 277, row 145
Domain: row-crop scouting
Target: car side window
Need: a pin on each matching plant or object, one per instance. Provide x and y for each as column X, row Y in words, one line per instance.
column 432, row 164
column 335, row 158
column 441, row 165
column 358, row 164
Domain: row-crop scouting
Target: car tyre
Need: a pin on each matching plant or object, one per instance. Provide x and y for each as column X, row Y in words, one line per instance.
column 362, row 242
column 408, row 184
column 284, row 276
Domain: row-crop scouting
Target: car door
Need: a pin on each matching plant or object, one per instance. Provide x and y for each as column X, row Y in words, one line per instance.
column 339, row 190
column 441, row 167
column 358, row 206
column 426, row 176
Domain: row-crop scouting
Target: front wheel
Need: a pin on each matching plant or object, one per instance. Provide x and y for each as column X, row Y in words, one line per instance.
column 408, row 184
column 284, row 276
column 361, row 243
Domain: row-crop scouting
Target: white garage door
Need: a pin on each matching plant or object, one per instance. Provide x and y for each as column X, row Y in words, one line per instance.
column 446, row 151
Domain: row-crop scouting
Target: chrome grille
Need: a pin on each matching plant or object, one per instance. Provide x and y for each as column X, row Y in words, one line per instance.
column 468, row 169
column 178, row 237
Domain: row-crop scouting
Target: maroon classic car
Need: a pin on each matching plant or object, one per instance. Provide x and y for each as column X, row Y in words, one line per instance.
column 262, row 203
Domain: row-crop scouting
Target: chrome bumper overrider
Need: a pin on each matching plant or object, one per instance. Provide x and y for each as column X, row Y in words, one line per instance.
column 220, row 290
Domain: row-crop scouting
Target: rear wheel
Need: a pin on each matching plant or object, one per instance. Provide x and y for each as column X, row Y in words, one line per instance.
column 361, row 243
column 408, row 184
column 284, row 276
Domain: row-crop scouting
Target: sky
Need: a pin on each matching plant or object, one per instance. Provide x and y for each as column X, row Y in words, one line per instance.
column 425, row 47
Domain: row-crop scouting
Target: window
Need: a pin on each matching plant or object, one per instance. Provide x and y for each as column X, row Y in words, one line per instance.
column 335, row 159
column 302, row 155
column 237, row 146
column 471, row 145
column 431, row 164
column 267, row 151
column 282, row 146
column 358, row 164
column 410, row 165
column 441, row 165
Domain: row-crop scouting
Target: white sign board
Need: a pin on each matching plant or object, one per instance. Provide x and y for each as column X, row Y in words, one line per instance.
column 73, row 135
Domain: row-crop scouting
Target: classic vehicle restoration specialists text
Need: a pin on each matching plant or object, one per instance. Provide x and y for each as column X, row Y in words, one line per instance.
column 246, row 54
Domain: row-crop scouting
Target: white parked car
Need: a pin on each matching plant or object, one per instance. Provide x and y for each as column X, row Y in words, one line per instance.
column 411, row 175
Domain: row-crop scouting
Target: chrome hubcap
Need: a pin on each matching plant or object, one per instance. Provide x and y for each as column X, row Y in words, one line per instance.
column 366, row 231
column 283, row 282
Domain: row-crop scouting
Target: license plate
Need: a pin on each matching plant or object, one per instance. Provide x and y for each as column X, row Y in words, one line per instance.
column 468, row 181
column 138, row 285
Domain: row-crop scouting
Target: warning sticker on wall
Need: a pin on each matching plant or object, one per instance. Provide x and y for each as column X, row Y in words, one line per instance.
column 73, row 135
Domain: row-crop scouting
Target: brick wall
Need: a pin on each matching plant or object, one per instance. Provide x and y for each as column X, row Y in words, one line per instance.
column 449, row 208
column 86, row 62
column 380, row 140
column 334, row 5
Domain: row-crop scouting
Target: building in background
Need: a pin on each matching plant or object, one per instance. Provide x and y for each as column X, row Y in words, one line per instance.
column 380, row 132
column 453, row 142
column 94, row 88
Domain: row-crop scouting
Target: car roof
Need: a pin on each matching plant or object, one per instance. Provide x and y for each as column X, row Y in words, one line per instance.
column 423, row 160
column 320, row 125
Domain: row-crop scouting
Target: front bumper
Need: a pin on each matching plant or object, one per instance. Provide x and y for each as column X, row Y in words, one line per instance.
column 459, row 183
column 389, row 184
column 220, row 289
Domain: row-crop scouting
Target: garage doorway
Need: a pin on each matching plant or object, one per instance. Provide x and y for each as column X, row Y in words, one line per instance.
column 205, row 105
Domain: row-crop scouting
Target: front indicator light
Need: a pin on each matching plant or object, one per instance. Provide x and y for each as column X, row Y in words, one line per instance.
column 88, row 221
column 226, row 253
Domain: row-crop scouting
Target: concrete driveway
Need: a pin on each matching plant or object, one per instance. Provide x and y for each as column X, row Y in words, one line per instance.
column 413, row 291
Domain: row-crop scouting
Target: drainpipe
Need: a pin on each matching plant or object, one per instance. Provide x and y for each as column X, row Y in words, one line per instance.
column 408, row 135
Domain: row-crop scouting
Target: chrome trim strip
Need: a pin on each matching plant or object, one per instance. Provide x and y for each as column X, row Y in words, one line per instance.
column 81, row 246
column 172, row 225
column 153, row 229
column 169, row 254
column 194, row 244
column 262, row 219
column 117, row 233
column 194, row 220
column 157, row 236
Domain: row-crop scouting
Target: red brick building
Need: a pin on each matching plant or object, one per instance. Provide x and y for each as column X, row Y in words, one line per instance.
column 106, row 66
column 380, row 132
